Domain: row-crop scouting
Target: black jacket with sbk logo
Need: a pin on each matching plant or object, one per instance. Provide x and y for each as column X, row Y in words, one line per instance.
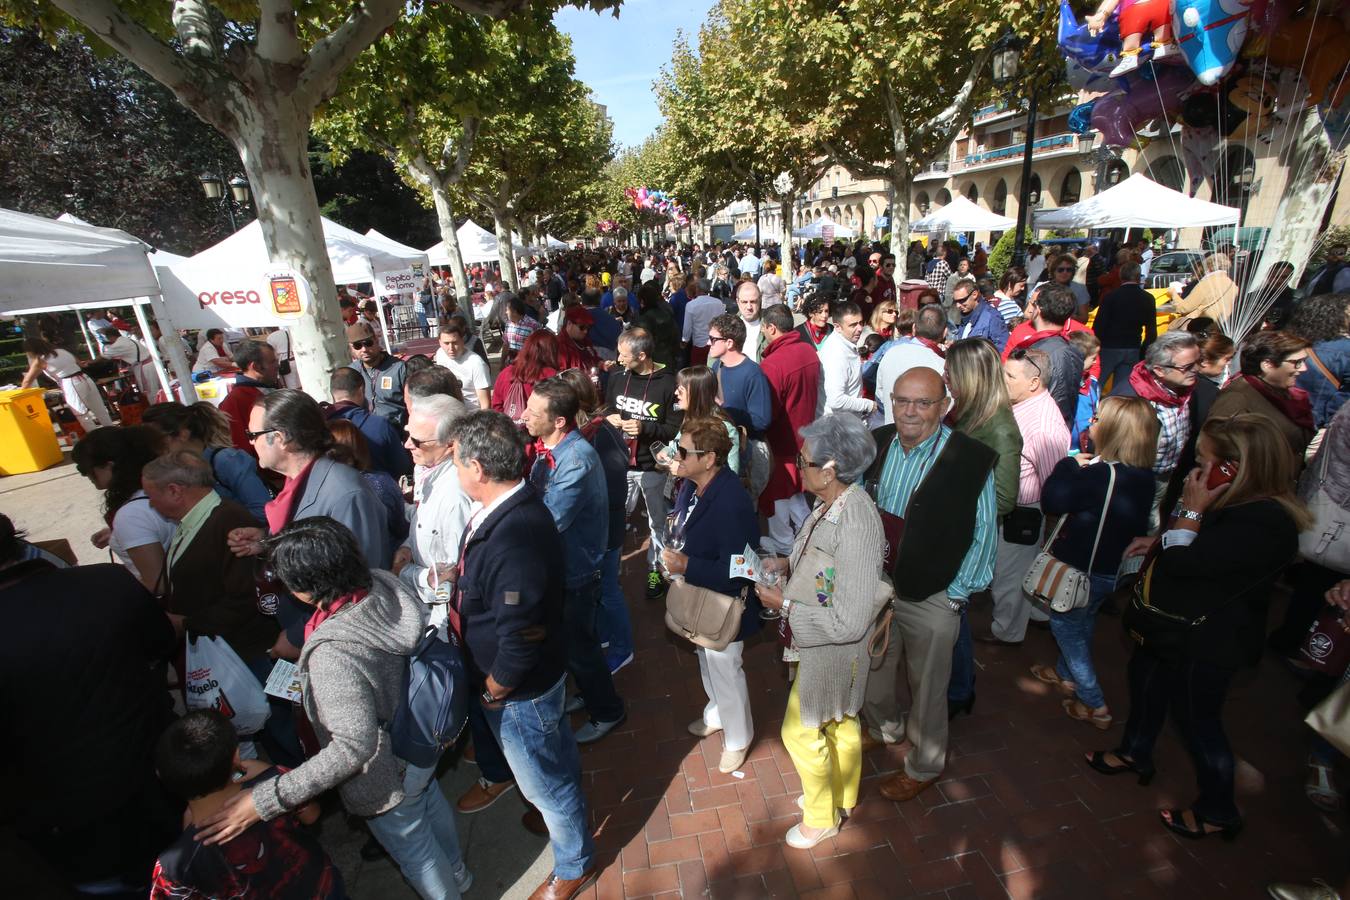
column 651, row 400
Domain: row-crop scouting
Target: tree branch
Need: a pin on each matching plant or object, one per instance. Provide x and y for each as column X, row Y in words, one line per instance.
column 192, row 23
column 278, row 40
column 855, row 163
column 454, row 171
column 956, row 111
column 119, row 31
column 331, row 55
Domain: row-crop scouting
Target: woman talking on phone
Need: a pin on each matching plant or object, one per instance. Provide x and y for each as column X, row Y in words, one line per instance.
column 1199, row 610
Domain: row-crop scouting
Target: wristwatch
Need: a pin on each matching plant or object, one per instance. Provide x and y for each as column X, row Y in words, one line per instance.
column 787, row 604
column 1190, row 514
column 487, row 697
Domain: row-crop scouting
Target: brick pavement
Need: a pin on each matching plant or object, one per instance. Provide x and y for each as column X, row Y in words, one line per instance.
column 1017, row 812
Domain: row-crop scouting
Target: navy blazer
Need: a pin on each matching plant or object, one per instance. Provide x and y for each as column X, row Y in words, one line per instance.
column 721, row 524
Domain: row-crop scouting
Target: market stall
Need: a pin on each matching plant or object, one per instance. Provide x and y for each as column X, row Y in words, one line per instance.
column 1137, row 202
column 961, row 215
column 825, row 229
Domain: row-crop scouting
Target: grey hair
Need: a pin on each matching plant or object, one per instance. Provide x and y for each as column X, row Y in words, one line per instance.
column 1163, row 350
column 446, row 410
column 843, row 440
column 493, row 441
column 621, row 292
column 638, row 341
column 180, row 467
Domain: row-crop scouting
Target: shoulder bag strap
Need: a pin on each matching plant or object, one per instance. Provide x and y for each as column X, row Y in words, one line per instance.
column 1101, row 523
column 1323, row 370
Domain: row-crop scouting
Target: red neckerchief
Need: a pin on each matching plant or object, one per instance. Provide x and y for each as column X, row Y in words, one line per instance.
column 932, row 345
column 817, row 334
column 280, row 509
column 1037, row 336
column 1295, row 404
column 1148, row 387
column 319, row 615
column 544, row 454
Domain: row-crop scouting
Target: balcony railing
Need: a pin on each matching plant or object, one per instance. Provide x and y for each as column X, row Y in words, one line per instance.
column 1014, row 151
column 992, row 111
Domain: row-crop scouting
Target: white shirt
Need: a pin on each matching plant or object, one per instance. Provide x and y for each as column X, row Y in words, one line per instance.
column 61, row 364
column 1035, row 267
column 899, row 360
column 435, row 528
column 1146, row 262
column 842, row 377
column 472, row 373
column 136, row 524
column 698, row 316
column 751, row 346
column 750, row 264
column 771, row 289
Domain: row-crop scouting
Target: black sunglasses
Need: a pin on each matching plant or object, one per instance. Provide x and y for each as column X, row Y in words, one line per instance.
column 418, row 442
column 363, row 344
column 684, row 451
column 1021, row 355
column 254, row 435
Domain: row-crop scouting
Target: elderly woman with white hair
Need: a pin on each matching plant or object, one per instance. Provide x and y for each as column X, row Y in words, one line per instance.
column 835, row 594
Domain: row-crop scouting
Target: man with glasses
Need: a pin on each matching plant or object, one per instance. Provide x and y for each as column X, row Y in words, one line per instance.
column 884, row 289
column 978, row 318
column 935, row 490
column 1050, row 318
column 1165, row 378
column 383, row 374
column 898, row 355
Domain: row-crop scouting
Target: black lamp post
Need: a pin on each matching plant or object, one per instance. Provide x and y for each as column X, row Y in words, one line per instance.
column 214, row 188
column 1007, row 63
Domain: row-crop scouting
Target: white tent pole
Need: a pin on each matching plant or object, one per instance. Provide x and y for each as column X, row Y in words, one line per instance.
column 150, row 343
column 177, row 358
column 84, row 330
column 384, row 326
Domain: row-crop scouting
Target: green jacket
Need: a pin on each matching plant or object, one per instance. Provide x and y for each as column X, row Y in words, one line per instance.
column 1001, row 435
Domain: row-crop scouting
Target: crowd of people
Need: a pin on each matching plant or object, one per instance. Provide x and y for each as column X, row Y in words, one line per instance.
column 890, row 456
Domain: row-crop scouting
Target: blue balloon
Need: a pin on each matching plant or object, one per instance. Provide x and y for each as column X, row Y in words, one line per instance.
column 1099, row 51
column 1080, row 120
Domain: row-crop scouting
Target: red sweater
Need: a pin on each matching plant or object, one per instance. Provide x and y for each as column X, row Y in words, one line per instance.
column 793, row 370
column 237, row 405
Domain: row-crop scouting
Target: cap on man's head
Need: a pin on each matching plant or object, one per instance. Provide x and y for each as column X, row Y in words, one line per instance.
column 359, row 332
column 579, row 315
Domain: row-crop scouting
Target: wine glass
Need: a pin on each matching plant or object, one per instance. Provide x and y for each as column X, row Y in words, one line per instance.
column 675, row 542
column 772, row 569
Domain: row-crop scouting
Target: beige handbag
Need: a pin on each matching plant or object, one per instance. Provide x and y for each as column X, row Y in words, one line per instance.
column 1055, row 584
column 709, row 619
column 1331, row 718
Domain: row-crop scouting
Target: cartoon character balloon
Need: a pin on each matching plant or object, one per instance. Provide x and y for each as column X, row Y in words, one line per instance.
column 1143, row 24
column 1095, row 51
column 1119, row 116
column 1210, row 34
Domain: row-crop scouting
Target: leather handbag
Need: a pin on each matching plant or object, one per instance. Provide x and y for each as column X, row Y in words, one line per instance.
column 1326, row 647
column 1054, row 583
column 701, row 615
column 1327, row 541
column 1023, row 525
column 1331, row 718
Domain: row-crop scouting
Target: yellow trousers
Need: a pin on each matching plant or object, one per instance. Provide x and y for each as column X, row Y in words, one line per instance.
column 829, row 761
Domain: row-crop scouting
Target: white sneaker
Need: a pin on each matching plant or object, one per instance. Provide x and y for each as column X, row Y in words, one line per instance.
column 799, row 841
column 1161, row 49
column 1128, row 63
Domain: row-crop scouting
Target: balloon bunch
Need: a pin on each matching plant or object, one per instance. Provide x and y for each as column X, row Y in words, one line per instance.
column 607, row 226
column 658, row 201
column 1210, row 63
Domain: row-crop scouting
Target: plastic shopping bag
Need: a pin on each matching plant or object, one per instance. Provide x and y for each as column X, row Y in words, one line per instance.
column 218, row 679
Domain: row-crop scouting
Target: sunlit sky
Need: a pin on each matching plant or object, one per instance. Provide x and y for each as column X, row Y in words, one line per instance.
column 620, row 58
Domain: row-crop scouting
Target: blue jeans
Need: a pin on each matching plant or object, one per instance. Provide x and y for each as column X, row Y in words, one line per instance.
column 581, row 606
column 538, row 743
column 487, row 752
column 1073, row 633
column 612, row 625
column 961, row 684
column 420, row 835
column 1117, row 361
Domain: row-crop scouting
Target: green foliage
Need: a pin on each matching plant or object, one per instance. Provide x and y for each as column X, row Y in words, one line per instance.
column 1001, row 256
column 1336, row 234
column 365, row 191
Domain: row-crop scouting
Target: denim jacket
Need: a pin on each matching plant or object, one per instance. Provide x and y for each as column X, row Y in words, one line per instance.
column 575, row 494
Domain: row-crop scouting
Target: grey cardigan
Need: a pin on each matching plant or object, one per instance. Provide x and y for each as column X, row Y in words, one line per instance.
column 846, row 566
column 351, row 672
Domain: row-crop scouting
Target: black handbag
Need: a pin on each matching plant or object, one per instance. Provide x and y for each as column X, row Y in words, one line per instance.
column 1023, row 525
column 1163, row 633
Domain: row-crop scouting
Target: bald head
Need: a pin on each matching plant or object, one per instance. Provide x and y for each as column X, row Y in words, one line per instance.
column 918, row 402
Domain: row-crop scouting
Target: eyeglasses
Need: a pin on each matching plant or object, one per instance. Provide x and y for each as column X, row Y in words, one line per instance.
column 363, row 344
column 1300, row 363
column 579, row 327
column 1021, row 355
column 684, row 451
column 890, row 312
column 1065, row 269
column 714, row 338
column 889, row 266
column 923, row 403
column 1189, row 367
column 418, row 442
column 254, row 435
column 804, row 463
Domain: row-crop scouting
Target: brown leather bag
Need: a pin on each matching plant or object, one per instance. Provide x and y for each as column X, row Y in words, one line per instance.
column 709, row 619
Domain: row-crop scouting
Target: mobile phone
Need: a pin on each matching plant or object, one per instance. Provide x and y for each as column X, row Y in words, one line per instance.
column 1222, row 472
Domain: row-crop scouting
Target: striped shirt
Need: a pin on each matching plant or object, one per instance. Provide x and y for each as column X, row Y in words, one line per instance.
column 901, row 475
column 1045, row 441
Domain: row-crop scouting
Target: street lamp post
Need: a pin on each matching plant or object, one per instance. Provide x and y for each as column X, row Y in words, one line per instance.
column 1007, row 62
column 214, row 188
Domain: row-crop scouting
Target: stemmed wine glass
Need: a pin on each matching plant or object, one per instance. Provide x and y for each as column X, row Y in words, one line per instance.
column 674, row 541
column 772, row 568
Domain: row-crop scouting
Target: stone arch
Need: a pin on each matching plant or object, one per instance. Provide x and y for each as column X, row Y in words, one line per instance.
column 1000, row 202
column 943, row 197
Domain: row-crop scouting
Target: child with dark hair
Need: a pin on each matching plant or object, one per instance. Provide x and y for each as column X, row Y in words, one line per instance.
column 197, row 758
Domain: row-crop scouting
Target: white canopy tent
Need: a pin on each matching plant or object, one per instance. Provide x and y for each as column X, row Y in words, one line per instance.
column 821, row 226
column 476, row 245
column 55, row 265
column 1138, row 202
column 962, row 215
column 393, row 245
column 241, row 264
column 766, row 233
column 555, row 244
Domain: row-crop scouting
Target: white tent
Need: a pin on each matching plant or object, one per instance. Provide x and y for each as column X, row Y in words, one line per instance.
column 476, row 245
column 391, row 244
column 49, row 265
column 765, row 233
column 962, row 215
column 555, row 244
column 818, row 229
column 1138, row 202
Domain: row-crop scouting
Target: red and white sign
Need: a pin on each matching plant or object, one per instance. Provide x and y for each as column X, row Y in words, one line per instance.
column 211, row 298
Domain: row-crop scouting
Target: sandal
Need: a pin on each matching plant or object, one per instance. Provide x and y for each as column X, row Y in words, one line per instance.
column 1079, row 710
column 1175, row 820
column 1097, row 760
column 1048, row 675
column 1321, row 787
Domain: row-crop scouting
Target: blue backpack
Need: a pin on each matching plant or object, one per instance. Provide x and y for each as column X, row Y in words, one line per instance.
column 435, row 703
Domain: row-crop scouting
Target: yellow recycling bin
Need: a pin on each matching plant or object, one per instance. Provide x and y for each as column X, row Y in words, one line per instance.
column 27, row 442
